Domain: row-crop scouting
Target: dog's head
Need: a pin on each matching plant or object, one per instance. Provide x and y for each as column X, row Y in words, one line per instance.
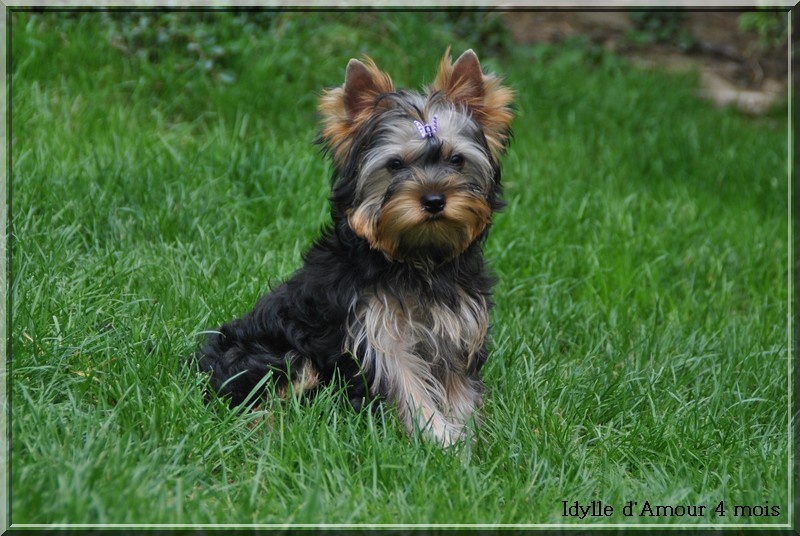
column 417, row 175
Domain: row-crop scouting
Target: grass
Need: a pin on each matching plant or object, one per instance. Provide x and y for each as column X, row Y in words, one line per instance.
column 164, row 176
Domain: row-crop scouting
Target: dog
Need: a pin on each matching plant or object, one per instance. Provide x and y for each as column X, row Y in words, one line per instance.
column 392, row 301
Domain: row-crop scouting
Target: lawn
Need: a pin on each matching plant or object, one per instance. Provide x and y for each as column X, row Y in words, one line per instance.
column 164, row 176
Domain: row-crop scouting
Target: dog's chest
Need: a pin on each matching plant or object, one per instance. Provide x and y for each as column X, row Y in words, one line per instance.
column 442, row 335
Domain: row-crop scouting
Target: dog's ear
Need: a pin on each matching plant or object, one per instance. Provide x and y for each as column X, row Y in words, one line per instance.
column 344, row 108
column 464, row 84
column 362, row 84
column 462, row 81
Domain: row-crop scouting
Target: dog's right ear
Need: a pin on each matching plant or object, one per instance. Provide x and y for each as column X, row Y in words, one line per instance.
column 362, row 84
column 345, row 108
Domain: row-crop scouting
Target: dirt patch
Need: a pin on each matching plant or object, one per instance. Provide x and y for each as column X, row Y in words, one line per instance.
column 734, row 69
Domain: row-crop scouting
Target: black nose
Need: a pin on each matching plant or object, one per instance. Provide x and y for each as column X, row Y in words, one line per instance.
column 433, row 203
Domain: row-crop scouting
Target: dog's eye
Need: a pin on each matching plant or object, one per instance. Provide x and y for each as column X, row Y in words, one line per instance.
column 395, row 164
column 457, row 160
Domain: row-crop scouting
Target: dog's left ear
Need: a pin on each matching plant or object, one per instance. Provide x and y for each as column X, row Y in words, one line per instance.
column 463, row 83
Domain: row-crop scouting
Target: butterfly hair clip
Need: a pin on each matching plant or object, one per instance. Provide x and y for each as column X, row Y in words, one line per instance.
column 428, row 129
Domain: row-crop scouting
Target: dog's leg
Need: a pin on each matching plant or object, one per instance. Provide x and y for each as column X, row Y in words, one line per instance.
column 385, row 340
column 457, row 336
column 239, row 357
column 418, row 395
column 464, row 396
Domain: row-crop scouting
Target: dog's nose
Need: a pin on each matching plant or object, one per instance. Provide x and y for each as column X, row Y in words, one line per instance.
column 433, row 203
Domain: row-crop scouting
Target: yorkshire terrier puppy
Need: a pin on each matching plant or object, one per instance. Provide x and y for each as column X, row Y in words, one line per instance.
column 393, row 299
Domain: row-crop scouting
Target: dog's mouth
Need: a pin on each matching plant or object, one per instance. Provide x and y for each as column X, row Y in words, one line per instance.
column 433, row 218
column 435, row 239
